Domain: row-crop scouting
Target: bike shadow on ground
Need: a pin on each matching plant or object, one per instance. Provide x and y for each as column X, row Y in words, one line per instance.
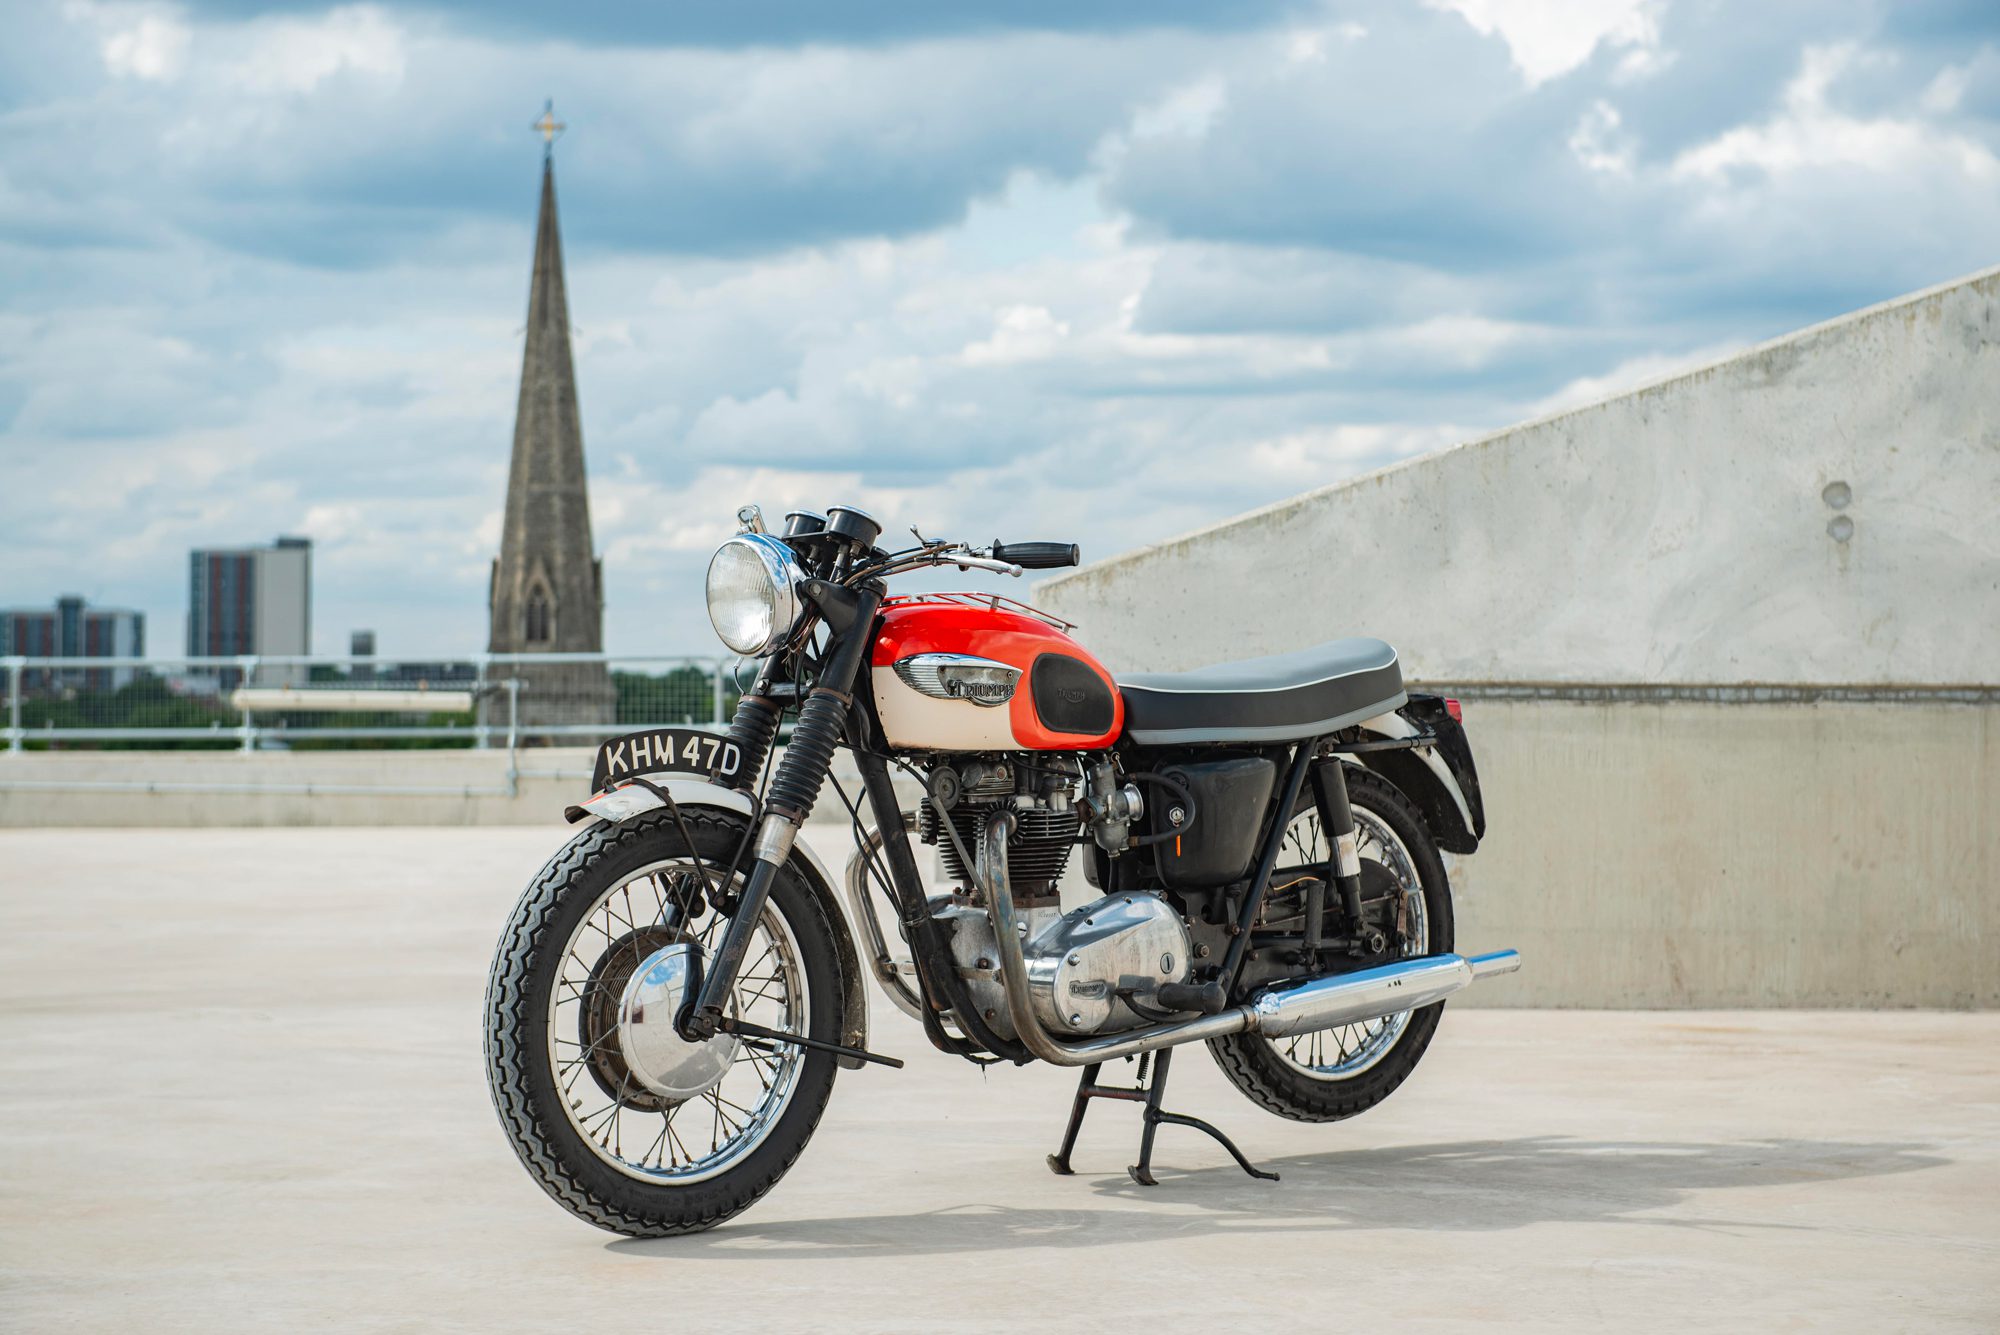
column 1465, row 1186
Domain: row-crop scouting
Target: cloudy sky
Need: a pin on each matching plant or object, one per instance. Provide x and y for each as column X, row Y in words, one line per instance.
column 1092, row 272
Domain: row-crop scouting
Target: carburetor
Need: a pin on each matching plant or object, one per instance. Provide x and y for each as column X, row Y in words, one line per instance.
column 1111, row 808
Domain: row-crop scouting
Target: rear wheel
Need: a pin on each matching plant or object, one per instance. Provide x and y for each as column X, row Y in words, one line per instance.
column 1336, row 1073
column 604, row 1144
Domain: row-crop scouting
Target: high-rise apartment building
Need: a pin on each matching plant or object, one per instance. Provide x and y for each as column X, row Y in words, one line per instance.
column 361, row 648
column 73, row 629
column 250, row 600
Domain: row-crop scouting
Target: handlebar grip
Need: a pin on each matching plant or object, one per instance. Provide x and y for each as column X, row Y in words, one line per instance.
column 1037, row 555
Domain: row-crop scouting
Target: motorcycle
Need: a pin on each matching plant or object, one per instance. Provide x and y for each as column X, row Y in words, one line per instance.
column 676, row 989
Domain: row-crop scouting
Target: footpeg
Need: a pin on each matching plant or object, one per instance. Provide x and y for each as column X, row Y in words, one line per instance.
column 1203, row 998
column 1148, row 1093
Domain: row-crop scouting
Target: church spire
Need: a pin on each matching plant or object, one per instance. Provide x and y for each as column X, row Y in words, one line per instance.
column 547, row 594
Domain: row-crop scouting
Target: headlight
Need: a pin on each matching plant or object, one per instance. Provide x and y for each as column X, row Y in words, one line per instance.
column 753, row 595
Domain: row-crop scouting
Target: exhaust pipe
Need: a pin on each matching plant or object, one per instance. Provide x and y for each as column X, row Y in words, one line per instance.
column 1349, row 998
column 1279, row 1010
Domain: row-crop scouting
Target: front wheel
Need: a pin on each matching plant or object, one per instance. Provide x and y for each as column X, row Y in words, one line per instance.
column 1337, row 1073
column 608, row 1146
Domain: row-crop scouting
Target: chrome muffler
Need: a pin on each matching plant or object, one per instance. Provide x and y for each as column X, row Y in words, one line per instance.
column 1369, row 994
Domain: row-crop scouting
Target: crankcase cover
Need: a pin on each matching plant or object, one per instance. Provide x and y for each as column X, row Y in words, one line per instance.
column 1080, row 964
column 970, row 929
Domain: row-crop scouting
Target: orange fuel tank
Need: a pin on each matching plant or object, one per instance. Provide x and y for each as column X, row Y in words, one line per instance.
column 960, row 672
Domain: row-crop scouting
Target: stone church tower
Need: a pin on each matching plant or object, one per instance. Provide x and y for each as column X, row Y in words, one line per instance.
column 548, row 586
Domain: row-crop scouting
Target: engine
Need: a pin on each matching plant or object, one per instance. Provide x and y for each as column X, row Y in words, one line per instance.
column 1095, row 969
column 1046, row 820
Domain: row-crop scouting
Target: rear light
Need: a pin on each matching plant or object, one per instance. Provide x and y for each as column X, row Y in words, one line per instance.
column 1457, row 714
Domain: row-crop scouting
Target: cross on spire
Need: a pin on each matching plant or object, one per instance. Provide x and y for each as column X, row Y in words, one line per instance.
column 548, row 127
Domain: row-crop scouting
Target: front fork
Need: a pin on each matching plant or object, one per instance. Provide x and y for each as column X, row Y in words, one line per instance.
column 794, row 788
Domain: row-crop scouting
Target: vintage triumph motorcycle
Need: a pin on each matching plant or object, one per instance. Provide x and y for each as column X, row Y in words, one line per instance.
column 674, row 992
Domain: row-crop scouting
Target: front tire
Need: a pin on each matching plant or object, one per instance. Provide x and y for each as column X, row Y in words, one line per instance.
column 603, row 1147
column 1346, row 1071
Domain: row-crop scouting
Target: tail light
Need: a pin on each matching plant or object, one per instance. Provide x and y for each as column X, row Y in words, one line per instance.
column 1451, row 708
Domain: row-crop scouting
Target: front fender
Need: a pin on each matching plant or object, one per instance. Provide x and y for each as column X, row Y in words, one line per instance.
column 621, row 804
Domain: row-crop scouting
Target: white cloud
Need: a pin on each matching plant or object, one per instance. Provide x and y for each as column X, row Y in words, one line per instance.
column 138, row 42
column 1810, row 133
column 1598, row 143
column 1317, row 455
column 297, row 55
column 1308, row 46
column 1021, row 334
column 1942, row 95
column 1187, row 110
column 1549, row 38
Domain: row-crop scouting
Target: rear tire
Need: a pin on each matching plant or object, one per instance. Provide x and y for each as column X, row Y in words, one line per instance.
column 536, row 1102
column 1260, row 1067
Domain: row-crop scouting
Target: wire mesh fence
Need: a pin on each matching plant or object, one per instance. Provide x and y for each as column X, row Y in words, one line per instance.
column 331, row 703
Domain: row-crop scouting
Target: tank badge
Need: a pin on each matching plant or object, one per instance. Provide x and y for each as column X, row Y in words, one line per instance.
column 980, row 681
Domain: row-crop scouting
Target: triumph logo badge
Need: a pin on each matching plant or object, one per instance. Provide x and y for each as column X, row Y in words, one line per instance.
column 979, row 692
column 978, row 681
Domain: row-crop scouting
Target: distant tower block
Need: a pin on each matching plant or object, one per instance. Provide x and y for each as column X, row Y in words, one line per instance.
column 547, row 594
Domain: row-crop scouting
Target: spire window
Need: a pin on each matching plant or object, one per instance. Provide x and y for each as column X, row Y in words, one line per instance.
column 538, row 619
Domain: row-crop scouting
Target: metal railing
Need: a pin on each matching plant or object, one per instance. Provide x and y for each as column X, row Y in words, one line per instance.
column 317, row 702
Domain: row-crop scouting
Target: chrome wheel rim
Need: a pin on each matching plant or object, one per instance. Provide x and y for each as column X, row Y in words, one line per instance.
column 1348, row 1050
column 640, row 1134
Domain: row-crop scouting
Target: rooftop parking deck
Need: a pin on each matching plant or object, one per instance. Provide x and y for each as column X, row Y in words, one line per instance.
column 240, row 1088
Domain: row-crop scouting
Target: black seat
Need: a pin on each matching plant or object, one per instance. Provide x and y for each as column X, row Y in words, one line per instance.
column 1280, row 698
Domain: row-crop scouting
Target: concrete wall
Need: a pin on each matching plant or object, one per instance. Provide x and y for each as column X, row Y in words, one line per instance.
column 184, row 788
column 1717, row 855
column 190, row 788
column 1676, row 533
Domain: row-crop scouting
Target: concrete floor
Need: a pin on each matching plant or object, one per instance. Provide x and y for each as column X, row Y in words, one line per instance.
column 240, row 1088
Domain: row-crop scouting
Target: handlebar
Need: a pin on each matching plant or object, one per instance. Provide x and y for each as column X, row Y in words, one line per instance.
column 1037, row 555
column 1005, row 558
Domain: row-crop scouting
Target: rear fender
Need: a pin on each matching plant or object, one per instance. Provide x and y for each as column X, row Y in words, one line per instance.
column 632, row 800
column 1429, row 778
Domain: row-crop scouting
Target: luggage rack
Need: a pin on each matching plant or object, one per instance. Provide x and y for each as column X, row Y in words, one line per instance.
column 997, row 602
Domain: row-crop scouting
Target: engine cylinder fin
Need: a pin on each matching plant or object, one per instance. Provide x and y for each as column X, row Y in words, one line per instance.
column 1037, row 850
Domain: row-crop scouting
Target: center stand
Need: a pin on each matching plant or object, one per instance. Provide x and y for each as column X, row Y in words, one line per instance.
column 1148, row 1093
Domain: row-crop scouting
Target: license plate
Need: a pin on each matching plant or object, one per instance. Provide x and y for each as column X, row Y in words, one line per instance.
column 665, row 751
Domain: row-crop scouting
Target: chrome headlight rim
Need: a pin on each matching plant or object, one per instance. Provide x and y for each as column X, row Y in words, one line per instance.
column 784, row 608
